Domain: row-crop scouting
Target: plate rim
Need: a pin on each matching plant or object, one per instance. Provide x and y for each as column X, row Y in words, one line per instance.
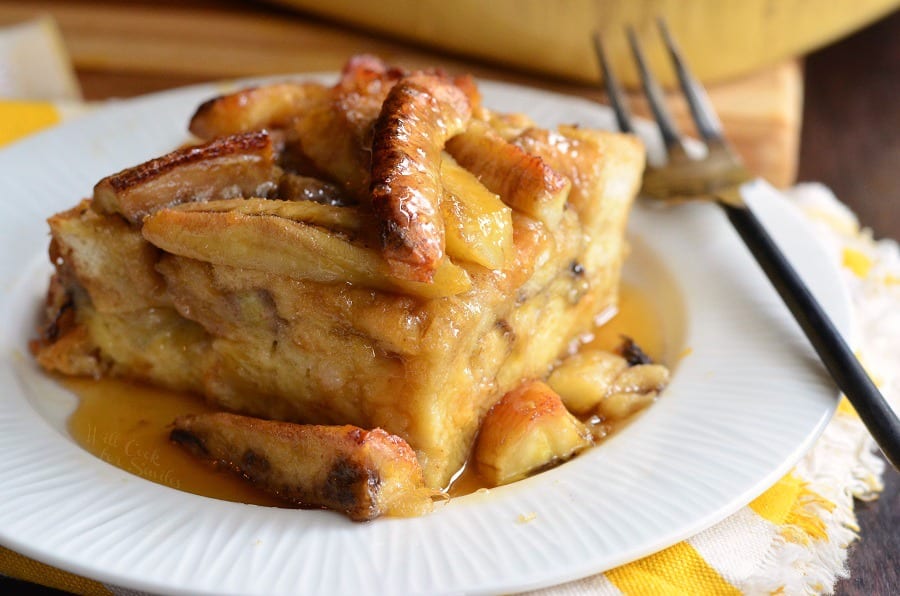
column 52, row 556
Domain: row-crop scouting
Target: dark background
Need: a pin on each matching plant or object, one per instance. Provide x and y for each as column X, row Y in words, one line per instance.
column 851, row 125
column 851, row 142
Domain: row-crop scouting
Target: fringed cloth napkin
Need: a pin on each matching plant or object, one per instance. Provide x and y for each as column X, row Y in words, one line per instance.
column 793, row 539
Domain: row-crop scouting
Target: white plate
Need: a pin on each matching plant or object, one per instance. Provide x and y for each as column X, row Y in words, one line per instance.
column 746, row 402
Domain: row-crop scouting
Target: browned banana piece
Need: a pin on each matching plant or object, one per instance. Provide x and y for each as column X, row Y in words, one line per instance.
column 254, row 108
column 420, row 113
column 528, row 430
column 524, row 181
column 224, row 168
column 362, row 474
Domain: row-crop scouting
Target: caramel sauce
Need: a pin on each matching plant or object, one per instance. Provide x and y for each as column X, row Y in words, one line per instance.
column 636, row 318
column 128, row 425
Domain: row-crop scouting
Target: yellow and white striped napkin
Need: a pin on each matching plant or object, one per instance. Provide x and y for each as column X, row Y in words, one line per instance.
column 793, row 539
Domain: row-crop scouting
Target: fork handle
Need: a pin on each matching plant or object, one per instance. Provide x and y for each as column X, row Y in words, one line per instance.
column 843, row 366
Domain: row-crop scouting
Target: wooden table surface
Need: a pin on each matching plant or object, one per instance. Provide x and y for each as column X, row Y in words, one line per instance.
column 850, row 137
column 851, row 142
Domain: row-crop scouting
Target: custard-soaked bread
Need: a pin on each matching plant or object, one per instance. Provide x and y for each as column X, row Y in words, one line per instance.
column 313, row 280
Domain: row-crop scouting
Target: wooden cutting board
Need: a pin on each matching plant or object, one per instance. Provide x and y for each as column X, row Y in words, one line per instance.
column 127, row 48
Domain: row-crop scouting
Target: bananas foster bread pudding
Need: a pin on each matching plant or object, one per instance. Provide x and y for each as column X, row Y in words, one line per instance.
column 385, row 254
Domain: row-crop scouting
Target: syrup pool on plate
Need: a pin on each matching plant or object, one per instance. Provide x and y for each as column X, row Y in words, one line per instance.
column 128, row 425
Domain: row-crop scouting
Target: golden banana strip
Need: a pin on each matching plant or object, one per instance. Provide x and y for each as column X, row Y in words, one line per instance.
column 284, row 247
column 478, row 224
column 523, row 181
column 347, row 219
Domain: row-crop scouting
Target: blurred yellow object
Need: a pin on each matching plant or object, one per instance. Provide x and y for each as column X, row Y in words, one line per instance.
column 38, row 88
column 721, row 38
column 21, row 118
column 857, row 262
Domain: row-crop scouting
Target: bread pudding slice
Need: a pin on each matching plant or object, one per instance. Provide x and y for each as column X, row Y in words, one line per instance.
column 297, row 275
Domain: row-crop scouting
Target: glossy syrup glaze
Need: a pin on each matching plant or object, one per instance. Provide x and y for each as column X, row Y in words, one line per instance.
column 127, row 425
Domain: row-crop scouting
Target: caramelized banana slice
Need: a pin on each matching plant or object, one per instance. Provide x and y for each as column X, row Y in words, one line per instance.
column 334, row 134
column 363, row 474
column 611, row 385
column 586, row 158
column 343, row 219
column 526, row 431
column 227, row 167
column 584, row 379
column 366, row 80
column 267, row 242
column 254, row 108
column 364, row 84
column 634, row 389
column 420, row 113
column 575, row 153
column 478, row 224
column 508, row 126
column 523, row 181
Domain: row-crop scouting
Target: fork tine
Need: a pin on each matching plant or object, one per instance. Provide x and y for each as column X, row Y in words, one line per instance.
column 704, row 115
column 613, row 88
column 655, row 97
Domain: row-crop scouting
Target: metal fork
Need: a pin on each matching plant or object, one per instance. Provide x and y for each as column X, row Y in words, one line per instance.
column 720, row 177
